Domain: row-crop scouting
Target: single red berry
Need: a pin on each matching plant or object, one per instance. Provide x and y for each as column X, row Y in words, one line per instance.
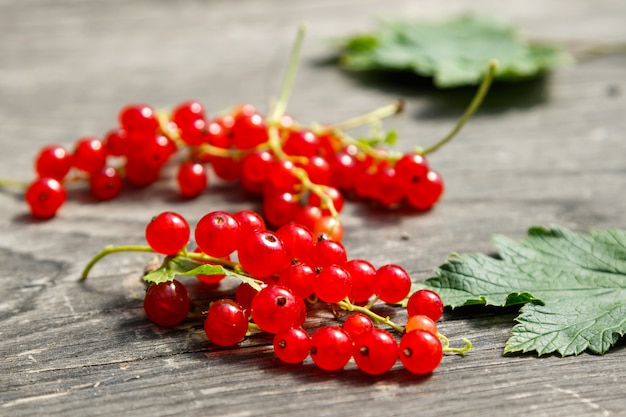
column 225, row 324
column 363, row 275
column 45, row 196
column 275, row 308
column 330, row 227
column 89, row 155
column 333, row 284
column 53, row 161
column 411, row 169
column 106, row 184
column 167, row 233
column 299, row 278
column 298, row 241
column 344, row 169
column 155, row 151
column 192, row 179
column 387, row 189
column 256, row 165
column 167, row 303
column 281, row 177
column 262, row 254
column 357, row 324
column 331, row 348
column 426, row 192
column 138, row 118
column 318, row 170
column 392, row 283
column 375, row 352
column 292, row 345
column 421, row 322
column 420, row 351
column 328, row 252
column 249, row 131
column 308, row 216
column 302, row 143
column 280, row 208
column 249, row 221
column 188, row 112
column 425, row 302
column 139, row 174
column 218, row 234
column 226, row 169
column 116, row 142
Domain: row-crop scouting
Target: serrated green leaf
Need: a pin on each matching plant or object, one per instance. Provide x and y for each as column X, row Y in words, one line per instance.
column 159, row 276
column 207, row 269
column 572, row 287
column 454, row 52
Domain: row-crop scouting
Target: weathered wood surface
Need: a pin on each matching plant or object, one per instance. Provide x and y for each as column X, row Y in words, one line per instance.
column 547, row 152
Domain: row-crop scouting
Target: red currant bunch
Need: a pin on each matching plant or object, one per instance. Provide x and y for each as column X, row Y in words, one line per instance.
column 285, row 277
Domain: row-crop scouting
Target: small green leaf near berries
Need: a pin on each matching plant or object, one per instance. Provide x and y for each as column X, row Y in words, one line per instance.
column 572, row 286
column 453, row 52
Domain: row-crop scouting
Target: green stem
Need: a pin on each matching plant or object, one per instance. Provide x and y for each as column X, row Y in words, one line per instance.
column 367, row 118
column 109, row 250
column 283, row 98
column 471, row 109
column 347, row 305
column 9, row 183
column 459, row 351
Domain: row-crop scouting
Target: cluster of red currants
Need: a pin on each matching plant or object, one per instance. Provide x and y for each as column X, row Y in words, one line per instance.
column 283, row 273
column 301, row 172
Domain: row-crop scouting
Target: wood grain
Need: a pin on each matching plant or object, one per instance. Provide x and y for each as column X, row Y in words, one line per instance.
column 546, row 152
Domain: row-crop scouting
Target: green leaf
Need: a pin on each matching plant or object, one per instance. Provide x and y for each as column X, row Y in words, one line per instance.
column 182, row 266
column 572, row 287
column 455, row 52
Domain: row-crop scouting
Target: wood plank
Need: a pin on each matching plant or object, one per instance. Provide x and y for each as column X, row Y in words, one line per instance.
column 546, row 152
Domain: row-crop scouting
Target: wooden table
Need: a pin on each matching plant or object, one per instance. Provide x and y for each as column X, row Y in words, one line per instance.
column 540, row 153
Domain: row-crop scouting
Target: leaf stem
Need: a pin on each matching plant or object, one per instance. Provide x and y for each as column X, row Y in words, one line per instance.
column 109, row 250
column 469, row 112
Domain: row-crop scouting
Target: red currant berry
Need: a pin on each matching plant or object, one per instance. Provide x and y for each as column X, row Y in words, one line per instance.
column 328, row 252
column 363, row 276
column 411, row 168
column 139, row 174
column 249, row 131
column 192, row 179
column 227, row 169
column 187, row 112
column 318, row 170
column 218, row 234
column 421, row 322
column 308, row 216
column 262, row 254
column 280, row 208
column 255, row 166
column 249, row 221
column 425, row 302
column 275, row 308
column 330, row 227
column 225, row 324
column 138, row 118
column 298, row 241
column 333, row 284
column 89, row 155
column 53, row 162
column 106, row 184
column 292, row 345
column 344, row 169
column 116, row 142
column 302, row 143
column 331, row 348
column 299, row 279
column 167, row 233
column 425, row 193
column 167, row 303
column 392, row 283
column 420, row 351
column 375, row 352
column 357, row 324
column 45, row 196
